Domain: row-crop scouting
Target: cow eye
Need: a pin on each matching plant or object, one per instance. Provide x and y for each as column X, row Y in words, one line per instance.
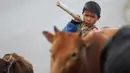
column 73, row 55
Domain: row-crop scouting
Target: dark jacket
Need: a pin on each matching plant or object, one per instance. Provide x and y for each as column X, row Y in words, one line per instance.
column 115, row 56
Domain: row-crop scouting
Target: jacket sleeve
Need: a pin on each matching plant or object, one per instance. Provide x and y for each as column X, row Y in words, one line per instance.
column 71, row 26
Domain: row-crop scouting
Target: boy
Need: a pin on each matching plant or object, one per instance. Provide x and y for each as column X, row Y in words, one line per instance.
column 91, row 14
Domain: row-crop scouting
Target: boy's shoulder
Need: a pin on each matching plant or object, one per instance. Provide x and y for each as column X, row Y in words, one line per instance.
column 71, row 26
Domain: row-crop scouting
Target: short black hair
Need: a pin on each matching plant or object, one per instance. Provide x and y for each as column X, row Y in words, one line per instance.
column 93, row 7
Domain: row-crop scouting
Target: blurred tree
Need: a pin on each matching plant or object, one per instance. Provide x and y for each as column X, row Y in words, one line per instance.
column 126, row 12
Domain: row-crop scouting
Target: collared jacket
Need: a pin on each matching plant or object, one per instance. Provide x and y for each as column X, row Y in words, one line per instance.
column 73, row 26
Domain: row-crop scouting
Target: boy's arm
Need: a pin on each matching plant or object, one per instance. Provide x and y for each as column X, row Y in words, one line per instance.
column 71, row 26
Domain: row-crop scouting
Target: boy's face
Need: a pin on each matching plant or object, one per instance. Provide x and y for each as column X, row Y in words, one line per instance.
column 89, row 18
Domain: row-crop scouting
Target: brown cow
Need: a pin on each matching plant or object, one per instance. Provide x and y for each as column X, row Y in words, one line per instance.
column 13, row 63
column 71, row 53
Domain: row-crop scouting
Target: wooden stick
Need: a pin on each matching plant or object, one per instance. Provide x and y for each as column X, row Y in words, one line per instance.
column 66, row 9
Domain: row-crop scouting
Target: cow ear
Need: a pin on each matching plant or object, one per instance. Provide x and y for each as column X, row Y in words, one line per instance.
column 49, row 36
column 56, row 30
column 80, row 33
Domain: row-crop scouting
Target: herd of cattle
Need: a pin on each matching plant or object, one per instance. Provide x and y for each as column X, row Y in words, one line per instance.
column 103, row 51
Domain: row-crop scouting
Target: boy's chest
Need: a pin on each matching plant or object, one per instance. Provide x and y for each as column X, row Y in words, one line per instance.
column 82, row 27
